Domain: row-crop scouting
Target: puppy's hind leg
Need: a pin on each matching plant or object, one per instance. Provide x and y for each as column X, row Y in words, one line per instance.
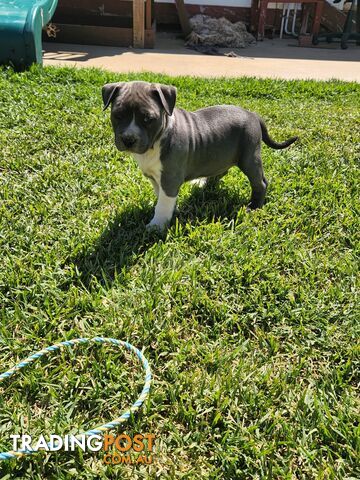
column 213, row 182
column 204, row 182
column 200, row 182
column 251, row 165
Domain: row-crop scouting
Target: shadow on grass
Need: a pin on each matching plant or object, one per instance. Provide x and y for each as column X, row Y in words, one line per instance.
column 125, row 239
column 119, row 246
column 212, row 203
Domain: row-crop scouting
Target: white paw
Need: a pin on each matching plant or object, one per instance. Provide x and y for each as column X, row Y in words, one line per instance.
column 156, row 224
column 199, row 182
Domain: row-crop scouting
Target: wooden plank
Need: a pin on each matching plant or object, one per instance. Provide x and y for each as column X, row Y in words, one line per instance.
column 183, row 17
column 254, row 16
column 333, row 19
column 71, row 12
column 99, row 35
column 94, row 35
column 148, row 15
column 138, row 23
column 150, row 37
column 317, row 17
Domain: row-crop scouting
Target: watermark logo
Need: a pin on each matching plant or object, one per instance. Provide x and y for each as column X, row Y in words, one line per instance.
column 142, row 445
column 123, row 448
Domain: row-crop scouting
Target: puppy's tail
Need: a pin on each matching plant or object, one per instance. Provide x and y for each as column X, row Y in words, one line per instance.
column 270, row 142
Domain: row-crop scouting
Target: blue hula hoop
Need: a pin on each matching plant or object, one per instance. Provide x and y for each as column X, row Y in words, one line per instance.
column 100, row 430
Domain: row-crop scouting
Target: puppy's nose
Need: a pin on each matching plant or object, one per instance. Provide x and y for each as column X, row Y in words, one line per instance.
column 128, row 140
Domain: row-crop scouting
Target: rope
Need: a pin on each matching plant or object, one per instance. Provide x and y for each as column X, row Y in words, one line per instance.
column 100, row 430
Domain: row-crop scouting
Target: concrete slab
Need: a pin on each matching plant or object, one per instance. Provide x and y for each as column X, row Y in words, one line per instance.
column 268, row 59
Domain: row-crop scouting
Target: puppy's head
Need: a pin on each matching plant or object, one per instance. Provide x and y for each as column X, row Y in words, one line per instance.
column 138, row 111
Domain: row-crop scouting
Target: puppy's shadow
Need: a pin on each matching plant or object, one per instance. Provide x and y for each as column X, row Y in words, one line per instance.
column 126, row 238
column 121, row 243
column 213, row 202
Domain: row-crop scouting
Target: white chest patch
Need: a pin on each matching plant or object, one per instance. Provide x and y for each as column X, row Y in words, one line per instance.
column 149, row 162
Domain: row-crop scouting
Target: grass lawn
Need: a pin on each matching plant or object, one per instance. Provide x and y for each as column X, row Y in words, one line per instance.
column 249, row 321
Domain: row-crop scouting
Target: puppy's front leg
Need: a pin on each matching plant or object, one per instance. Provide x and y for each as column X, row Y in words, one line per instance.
column 163, row 211
column 155, row 187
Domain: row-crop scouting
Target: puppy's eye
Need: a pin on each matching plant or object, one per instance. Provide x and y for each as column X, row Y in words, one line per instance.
column 147, row 119
column 118, row 114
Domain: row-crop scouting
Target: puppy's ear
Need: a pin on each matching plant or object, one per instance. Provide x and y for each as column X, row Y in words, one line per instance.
column 167, row 95
column 109, row 91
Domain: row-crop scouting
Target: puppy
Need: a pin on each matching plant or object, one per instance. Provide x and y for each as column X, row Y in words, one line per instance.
column 172, row 146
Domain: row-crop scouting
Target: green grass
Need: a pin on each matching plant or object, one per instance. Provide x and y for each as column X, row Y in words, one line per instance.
column 249, row 321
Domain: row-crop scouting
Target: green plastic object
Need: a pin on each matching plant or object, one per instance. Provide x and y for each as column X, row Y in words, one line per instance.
column 21, row 24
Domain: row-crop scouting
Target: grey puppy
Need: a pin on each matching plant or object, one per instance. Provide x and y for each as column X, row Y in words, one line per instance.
column 172, row 146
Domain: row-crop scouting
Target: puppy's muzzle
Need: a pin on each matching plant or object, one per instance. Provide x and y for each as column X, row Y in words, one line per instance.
column 128, row 140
